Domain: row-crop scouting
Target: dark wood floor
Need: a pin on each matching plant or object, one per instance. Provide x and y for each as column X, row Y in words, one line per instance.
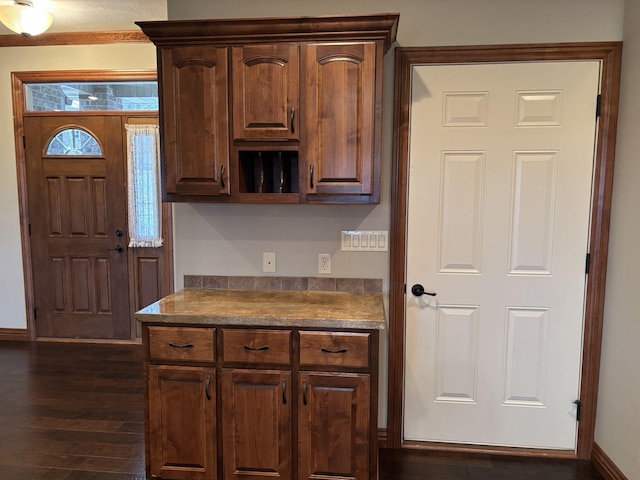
column 75, row 412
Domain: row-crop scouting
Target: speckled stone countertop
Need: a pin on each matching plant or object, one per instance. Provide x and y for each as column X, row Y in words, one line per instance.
column 268, row 308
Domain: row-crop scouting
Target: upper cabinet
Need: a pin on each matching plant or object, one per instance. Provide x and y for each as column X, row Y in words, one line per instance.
column 272, row 110
column 341, row 120
column 195, row 140
column 265, row 90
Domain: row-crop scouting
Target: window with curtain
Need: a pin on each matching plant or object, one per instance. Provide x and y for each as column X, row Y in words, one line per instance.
column 144, row 197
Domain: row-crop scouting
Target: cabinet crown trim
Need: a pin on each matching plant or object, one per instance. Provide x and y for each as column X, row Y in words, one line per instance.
column 259, row 30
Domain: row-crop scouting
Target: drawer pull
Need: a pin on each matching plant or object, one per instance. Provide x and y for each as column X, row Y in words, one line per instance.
column 326, row 350
column 304, row 392
column 186, row 345
column 284, row 391
column 207, row 382
column 248, row 347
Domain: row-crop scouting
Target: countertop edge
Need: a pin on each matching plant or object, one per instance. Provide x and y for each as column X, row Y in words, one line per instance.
column 207, row 320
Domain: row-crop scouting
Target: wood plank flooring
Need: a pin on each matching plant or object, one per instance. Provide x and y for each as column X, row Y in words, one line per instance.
column 75, row 412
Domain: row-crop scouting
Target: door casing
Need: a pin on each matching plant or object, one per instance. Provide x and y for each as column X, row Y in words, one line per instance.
column 609, row 53
column 18, row 79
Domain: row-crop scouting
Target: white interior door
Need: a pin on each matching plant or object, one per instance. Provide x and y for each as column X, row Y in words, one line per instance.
column 500, row 176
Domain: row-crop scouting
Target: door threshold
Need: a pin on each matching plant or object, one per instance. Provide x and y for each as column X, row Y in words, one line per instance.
column 468, row 450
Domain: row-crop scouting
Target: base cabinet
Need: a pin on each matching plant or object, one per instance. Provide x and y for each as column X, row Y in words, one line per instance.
column 334, row 426
column 233, row 403
column 256, row 424
column 181, row 423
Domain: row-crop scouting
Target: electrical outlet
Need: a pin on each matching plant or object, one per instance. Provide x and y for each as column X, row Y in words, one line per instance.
column 324, row 263
column 268, row 261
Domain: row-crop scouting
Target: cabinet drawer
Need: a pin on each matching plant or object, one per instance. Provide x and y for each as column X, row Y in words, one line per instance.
column 256, row 346
column 342, row 349
column 182, row 343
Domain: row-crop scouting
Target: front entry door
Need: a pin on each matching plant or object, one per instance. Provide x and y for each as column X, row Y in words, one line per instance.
column 500, row 162
column 77, row 216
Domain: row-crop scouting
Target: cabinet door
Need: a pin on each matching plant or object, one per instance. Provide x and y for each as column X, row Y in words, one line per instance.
column 342, row 110
column 194, row 119
column 333, row 426
column 256, row 424
column 182, row 426
column 265, row 92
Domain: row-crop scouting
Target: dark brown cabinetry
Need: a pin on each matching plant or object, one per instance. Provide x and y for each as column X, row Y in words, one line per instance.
column 333, row 425
column 236, row 402
column 195, row 141
column 277, row 110
column 182, row 422
column 265, row 92
column 342, row 106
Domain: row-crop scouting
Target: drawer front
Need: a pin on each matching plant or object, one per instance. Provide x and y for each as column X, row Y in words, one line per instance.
column 340, row 349
column 256, row 346
column 182, row 343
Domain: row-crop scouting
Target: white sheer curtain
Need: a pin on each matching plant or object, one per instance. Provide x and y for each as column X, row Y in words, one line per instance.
column 144, row 197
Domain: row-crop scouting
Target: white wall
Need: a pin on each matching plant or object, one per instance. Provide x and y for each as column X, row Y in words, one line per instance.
column 20, row 59
column 618, row 421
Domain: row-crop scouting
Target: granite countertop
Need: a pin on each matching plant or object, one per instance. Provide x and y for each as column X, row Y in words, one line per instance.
column 268, row 308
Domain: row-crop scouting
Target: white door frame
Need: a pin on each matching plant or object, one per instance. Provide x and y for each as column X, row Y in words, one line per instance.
column 609, row 53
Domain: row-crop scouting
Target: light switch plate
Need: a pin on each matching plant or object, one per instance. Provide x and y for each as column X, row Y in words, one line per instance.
column 364, row 240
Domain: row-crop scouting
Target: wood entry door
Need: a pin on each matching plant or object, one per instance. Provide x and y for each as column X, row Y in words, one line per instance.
column 500, row 179
column 77, row 216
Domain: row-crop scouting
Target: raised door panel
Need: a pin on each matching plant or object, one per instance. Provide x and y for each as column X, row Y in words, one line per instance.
column 194, row 109
column 182, row 423
column 266, row 92
column 334, row 426
column 256, row 424
column 342, row 113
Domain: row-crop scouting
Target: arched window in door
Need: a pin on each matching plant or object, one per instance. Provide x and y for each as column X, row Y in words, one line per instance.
column 74, row 141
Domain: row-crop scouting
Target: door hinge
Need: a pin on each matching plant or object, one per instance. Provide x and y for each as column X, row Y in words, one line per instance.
column 29, row 229
column 24, row 142
column 598, row 106
column 578, row 405
column 587, row 264
column 35, row 313
column 405, row 288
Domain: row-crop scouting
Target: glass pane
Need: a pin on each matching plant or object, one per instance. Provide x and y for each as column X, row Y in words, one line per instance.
column 92, row 96
column 74, row 142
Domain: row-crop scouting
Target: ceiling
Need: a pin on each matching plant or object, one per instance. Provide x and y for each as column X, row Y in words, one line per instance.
column 97, row 15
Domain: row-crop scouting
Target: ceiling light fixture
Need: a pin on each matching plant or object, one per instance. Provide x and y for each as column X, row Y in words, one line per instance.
column 25, row 18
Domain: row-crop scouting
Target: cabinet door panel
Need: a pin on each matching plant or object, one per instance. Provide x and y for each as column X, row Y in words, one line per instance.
column 333, row 426
column 182, row 422
column 265, row 91
column 256, row 424
column 194, row 120
column 341, row 115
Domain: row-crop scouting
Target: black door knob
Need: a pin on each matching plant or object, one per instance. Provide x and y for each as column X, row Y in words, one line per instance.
column 418, row 290
column 119, row 233
column 119, row 248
